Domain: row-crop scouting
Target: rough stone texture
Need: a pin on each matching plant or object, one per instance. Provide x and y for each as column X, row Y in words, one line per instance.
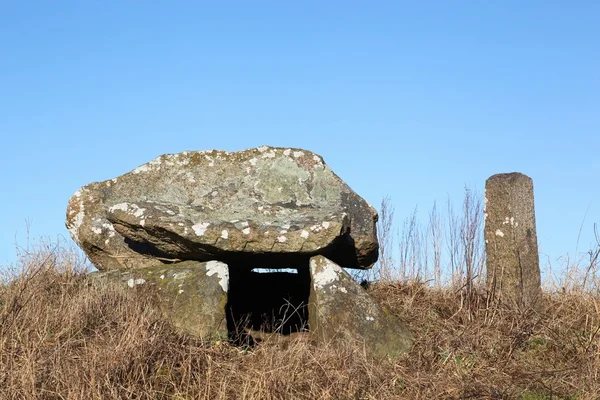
column 341, row 311
column 271, row 207
column 191, row 294
column 513, row 271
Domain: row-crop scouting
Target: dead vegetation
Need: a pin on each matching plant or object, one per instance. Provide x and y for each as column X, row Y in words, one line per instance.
column 63, row 339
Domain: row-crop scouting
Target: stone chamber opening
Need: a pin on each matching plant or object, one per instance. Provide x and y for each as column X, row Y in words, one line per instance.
column 264, row 302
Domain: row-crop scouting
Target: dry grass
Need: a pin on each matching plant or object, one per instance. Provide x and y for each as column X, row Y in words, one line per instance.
column 481, row 351
column 61, row 339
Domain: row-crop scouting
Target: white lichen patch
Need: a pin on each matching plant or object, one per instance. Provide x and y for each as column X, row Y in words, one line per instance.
column 262, row 149
column 200, row 229
column 137, row 211
column 143, row 222
column 133, row 282
column 270, row 154
column 253, row 161
column 180, row 291
column 215, row 193
column 180, row 275
column 499, row 233
column 132, row 209
column 77, row 221
column 328, row 274
column 141, row 168
column 246, row 231
column 510, row 221
column 316, row 228
column 304, row 234
column 162, row 276
column 369, row 318
column 97, row 231
column 245, row 224
column 282, row 239
column 221, row 270
column 343, row 289
column 298, row 154
column 325, row 224
column 287, row 152
column 224, row 234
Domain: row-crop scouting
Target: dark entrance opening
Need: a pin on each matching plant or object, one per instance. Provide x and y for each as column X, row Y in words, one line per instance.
column 266, row 302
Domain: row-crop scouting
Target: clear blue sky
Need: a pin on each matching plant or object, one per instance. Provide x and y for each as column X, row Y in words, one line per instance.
column 413, row 100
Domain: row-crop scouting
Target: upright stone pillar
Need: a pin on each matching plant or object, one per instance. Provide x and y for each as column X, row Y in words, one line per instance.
column 513, row 267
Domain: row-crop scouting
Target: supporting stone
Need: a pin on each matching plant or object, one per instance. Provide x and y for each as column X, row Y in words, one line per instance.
column 513, row 270
column 191, row 294
column 342, row 312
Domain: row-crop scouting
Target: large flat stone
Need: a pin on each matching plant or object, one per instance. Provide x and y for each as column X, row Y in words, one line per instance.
column 271, row 207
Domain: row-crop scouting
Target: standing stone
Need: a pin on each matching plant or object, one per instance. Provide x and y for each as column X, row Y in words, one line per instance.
column 513, row 270
column 341, row 312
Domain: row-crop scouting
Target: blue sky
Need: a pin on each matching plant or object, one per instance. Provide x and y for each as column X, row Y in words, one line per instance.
column 413, row 100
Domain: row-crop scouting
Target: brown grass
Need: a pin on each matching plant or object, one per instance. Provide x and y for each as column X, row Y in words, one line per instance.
column 62, row 339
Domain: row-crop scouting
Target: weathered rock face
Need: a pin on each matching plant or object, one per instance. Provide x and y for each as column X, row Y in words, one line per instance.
column 513, row 267
column 271, row 207
column 341, row 311
column 191, row 294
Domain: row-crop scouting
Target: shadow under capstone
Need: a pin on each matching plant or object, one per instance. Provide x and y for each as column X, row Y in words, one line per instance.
column 266, row 302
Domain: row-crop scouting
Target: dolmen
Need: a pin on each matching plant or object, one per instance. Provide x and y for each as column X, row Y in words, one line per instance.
column 233, row 243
